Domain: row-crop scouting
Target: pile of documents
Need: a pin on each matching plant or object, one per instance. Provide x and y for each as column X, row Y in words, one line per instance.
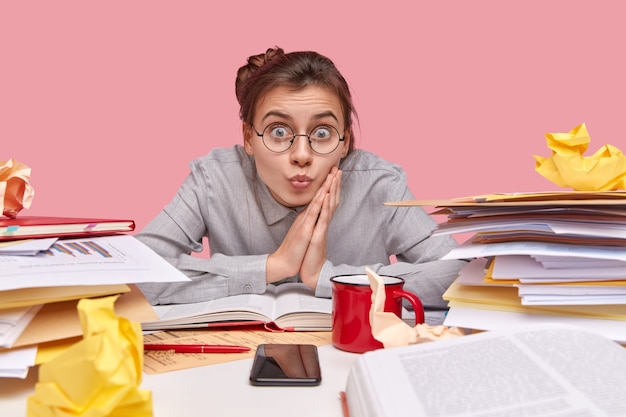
column 42, row 279
column 556, row 256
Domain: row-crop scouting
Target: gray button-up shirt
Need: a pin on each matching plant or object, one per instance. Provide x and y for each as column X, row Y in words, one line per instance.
column 224, row 200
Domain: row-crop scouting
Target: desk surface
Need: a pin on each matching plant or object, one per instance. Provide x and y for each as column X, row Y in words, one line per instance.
column 220, row 390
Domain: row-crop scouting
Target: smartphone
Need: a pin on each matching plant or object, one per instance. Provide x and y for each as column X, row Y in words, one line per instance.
column 277, row 364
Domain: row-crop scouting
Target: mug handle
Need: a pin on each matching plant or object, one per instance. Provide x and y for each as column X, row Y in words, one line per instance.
column 418, row 308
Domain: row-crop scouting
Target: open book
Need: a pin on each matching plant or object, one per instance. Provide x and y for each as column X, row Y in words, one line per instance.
column 290, row 306
column 546, row 370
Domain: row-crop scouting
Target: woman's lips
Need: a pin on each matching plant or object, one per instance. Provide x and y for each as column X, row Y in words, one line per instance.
column 300, row 181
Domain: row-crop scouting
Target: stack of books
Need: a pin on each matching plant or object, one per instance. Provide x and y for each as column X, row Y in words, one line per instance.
column 49, row 264
column 549, row 256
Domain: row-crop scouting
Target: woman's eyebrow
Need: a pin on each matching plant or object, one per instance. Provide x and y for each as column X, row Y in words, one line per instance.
column 285, row 116
column 326, row 114
column 277, row 114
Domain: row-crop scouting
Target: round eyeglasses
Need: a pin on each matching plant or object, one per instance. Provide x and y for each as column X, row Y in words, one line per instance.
column 279, row 137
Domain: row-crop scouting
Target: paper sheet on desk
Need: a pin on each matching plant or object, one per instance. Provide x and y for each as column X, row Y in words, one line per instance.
column 26, row 247
column 15, row 363
column 162, row 361
column 120, row 259
column 56, row 321
column 13, row 321
column 461, row 293
column 25, row 297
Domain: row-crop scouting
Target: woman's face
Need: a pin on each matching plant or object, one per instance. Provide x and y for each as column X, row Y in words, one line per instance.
column 294, row 176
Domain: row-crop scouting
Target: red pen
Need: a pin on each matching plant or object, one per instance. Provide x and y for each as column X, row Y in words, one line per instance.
column 197, row 348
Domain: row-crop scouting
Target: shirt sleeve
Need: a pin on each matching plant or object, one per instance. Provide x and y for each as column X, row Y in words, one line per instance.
column 177, row 232
column 406, row 235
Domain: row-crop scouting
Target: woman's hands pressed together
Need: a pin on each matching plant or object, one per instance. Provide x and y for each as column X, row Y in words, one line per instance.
column 303, row 250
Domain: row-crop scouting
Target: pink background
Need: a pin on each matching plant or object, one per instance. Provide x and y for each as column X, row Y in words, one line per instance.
column 107, row 102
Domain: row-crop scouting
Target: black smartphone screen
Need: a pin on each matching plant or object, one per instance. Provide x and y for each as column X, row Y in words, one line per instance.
column 286, row 365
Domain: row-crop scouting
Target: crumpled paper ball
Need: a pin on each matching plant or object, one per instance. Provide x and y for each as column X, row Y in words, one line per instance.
column 16, row 192
column 98, row 376
column 391, row 330
column 605, row 170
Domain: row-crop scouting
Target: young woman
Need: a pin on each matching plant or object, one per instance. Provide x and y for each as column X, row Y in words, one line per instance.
column 296, row 201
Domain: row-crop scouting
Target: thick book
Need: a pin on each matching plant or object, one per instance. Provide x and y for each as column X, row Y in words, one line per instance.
column 31, row 227
column 545, row 370
column 285, row 307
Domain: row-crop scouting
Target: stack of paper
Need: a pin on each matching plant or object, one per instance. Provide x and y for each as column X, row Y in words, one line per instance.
column 39, row 292
column 557, row 255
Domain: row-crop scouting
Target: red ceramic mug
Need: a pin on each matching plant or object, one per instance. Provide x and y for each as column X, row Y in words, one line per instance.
column 352, row 301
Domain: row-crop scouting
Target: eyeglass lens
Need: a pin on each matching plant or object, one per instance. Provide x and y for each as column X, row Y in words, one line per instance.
column 279, row 137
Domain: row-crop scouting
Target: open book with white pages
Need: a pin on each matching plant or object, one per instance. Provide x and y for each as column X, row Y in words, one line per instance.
column 289, row 306
column 544, row 370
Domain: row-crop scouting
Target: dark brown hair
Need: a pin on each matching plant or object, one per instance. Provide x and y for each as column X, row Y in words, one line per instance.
column 296, row 70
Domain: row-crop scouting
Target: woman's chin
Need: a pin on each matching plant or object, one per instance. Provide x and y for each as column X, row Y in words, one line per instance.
column 292, row 200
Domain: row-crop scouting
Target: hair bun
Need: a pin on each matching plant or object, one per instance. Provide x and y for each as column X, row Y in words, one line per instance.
column 254, row 63
column 257, row 61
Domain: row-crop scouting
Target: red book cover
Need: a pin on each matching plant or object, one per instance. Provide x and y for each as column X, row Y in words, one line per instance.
column 29, row 227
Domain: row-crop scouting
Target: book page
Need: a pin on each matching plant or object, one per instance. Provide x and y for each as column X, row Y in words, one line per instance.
column 296, row 297
column 554, row 370
column 275, row 305
column 236, row 307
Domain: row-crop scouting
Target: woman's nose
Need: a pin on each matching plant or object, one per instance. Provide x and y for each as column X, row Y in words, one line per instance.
column 301, row 152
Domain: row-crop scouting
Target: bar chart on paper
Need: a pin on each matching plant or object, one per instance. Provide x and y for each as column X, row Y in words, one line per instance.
column 75, row 254
column 79, row 248
column 119, row 259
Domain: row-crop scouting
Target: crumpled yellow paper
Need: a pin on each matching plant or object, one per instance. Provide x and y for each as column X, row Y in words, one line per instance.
column 16, row 192
column 391, row 330
column 605, row 170
column 99, row 375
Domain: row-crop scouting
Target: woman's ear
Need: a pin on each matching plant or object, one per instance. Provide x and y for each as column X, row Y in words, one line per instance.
column 346, row 143
column 247, row 138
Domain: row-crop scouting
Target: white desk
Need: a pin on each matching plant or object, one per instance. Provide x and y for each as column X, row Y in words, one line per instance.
column 220, row 390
